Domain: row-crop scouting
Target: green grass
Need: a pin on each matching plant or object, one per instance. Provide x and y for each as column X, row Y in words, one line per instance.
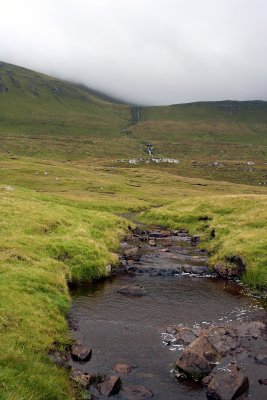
column 63, row 195
column 43, row 245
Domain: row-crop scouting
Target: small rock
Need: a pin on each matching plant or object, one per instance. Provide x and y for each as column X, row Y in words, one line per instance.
column 137, row 393
column 159, row 234
column 83, row 378
column 227, row 384
column 110, row 386
column 81, row 353
column 123, row 368
column 152, row 242
column 132, row 290
column 263, row 381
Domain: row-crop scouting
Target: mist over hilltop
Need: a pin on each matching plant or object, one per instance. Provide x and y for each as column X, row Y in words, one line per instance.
column 152, row 52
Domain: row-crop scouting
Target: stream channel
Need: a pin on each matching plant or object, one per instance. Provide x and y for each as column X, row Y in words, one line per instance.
column 126, row 329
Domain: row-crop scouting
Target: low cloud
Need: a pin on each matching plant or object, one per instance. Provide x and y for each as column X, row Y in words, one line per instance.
column 147, row 52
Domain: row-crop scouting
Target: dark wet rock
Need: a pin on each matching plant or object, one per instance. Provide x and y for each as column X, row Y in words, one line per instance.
column 197, row 359
column 159, row 234
column 263, row 381
column 81, row 353
column 261, row 356
column 110, row 386
column 195, row 240
column 193, row 366
column 123, row 368
column 83, row 379
column 132, row 254
column 132, row 290
column 137, row 392
column 227, row 383
column 184, row 336
column 181, row 233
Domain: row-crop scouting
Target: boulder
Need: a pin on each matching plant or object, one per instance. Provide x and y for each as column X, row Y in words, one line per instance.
column 193, row 366
column 227, row 383
column 132, row 254
column 81, row 353
column 132, row 290
column 197, row 359
column 137, row 393
column 110, row 386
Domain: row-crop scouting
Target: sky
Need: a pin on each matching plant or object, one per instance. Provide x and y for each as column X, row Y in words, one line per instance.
column 144, row 51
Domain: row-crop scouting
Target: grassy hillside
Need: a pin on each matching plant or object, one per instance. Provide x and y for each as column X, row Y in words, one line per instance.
column 48, row 118
column 62, row 192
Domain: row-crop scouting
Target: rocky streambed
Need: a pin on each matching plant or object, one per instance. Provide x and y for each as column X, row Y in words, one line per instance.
column 164, row 326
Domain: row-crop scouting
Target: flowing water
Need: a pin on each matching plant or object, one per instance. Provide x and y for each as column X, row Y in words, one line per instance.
column 122, row 329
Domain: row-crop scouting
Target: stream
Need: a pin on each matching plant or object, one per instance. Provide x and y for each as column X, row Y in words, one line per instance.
column 126, row 329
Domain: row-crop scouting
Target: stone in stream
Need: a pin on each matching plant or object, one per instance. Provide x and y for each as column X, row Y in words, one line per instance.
column 137, row 393
column 110, row 386
column 198, row 359
column 132, row 254
column 83, row 379
column 159, row 234
column 123, row 368
column 227, row 383
column 152, row 242
column 81, row 353
column 132, row 290
column 263, row 381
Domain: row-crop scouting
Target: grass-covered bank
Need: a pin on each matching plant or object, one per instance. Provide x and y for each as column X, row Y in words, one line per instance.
column 57, row 223
column 229, row 225
column 44, row 244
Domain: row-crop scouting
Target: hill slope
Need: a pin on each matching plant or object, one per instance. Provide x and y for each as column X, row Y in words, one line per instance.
column 48, row 118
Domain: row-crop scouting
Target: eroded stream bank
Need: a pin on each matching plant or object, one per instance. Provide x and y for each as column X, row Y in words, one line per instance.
column 140, row 323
